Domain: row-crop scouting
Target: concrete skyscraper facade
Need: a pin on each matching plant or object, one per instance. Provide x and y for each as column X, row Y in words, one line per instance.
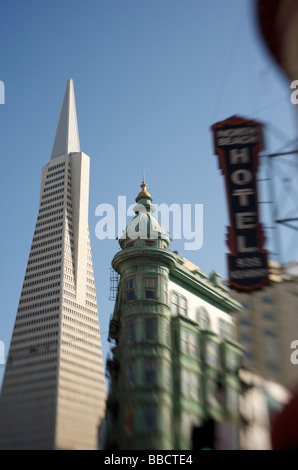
column 267, row 326
column 53, row 394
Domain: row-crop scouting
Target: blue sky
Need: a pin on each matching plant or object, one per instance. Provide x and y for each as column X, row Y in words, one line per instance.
column 150, row 78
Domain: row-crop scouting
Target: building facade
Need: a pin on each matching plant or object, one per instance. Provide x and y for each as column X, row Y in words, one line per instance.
column 174, row 351
column 268, row 325
column 53, row 393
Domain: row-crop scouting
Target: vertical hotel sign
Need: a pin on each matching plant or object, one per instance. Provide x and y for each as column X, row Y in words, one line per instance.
column 237, row 143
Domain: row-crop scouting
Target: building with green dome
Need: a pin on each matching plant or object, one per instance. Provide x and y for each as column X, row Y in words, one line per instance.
column 172, row 344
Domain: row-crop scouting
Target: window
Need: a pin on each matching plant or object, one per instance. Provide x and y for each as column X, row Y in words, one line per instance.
column 178, row 304
column 182, row 306
column 272, row 366
column 248, row 355
column 211, row 354
column 188, row 343
column 184, row 342
column 174, row 303
column 271, row 350
column 165, row 292
column 167, row 376
column 269, row 332
column 150, row 417
column 245, row 321
column 129, row 331
column 130, row 244
column 232, row 361
column 190, row 384
column 150, row 287
column 192, row 347
column 129, row 375
column 166, row 331
column 151, row 329
column 246, row 337
column 203, row 318
column 269, row 316
column 267, row 299
column 128, row 420
column 245, row 304
column 225, row 330
column 130, row 291
column 150, row 372
column 149, row 243
column 214, row 394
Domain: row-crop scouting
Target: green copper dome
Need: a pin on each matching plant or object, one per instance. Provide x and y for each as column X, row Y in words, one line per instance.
column 144, row 226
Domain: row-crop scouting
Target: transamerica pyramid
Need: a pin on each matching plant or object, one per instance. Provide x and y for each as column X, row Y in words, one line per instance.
column 53, row 394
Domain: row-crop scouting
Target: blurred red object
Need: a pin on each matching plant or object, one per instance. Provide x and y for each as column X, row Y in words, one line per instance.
column 278, row 24
column 284, row 434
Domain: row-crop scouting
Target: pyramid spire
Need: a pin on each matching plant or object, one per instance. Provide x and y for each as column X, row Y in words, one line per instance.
column 61, row 359
column 67, row 133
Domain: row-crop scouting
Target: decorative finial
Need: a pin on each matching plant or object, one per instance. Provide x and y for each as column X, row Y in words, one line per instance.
column 144, row 192
column 144, row 185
